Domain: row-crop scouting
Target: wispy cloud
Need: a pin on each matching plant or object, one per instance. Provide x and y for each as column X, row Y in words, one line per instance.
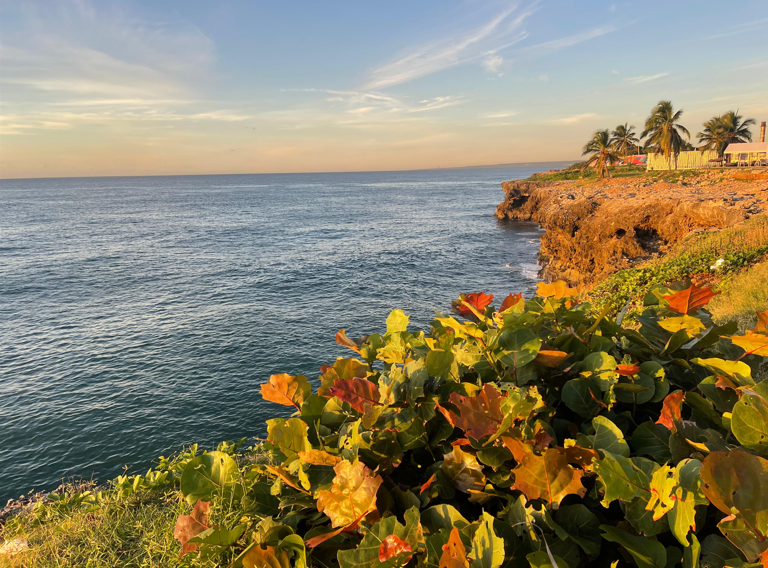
column 505, row 114
column 482, row 42
column 576, row 118
column 741, row 28
column 551, row 46
column 645, row 78
column 492, row 63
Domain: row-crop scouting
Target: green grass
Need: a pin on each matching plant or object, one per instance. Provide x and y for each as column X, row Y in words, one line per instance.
column 741, row 296
column 575, row 172
column 136, row 531
column 740, row 247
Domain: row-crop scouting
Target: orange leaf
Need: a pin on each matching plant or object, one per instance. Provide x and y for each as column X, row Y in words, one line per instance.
column 478, row 300
column 352, row 494
column 286, row 477
column 321, row 538
column 319, row 457
column 752, row 343
column 581, row 456
column 670, row 411
column 518, row 448
column 341, row 369
column 557, row 289
column 266, row 557
column 762, row 322
column 454, row 553
column 510, row 301
column 286, row 389
column 548, row 477
column 627, row 370
column 690, row 299
column 344, row 341
column 726, row 383
column 357, row 392
column 189, row 526
column 428, row 484
column 542, row 439
column 392, row 546
column 479, row 415
column 550, row 358
column 463, row 469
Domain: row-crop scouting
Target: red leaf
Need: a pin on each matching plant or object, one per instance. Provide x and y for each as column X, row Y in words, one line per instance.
column 510, row 301
column 428, row 484
column 393, row 546
column 189, row 526
column 357, row 392
column 478, row 300
column 670, row 411
column 690, row 299
column 627, row 370
column 479, row 415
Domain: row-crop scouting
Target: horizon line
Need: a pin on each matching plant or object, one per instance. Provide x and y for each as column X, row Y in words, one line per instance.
column 473, row 167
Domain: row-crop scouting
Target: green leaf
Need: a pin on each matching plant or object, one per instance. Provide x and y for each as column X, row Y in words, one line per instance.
column 540, row 559
column 650, row 439
column 621, row 479
column 366, row 555
column 601, row 367
column 289, row 436
column 646, row 552
column 608, row 437
column 655, row 371
column 716, row 551
column 749, row 422
column 581, row 525
column 487, row 548
column 640, row 391
column 519, row 347
column 443, row 517
column 579, row 395
column 692, row 553
column 219, row 536
column 207, row 475
column 439, row 362
column 739, row 371
column 397, row 321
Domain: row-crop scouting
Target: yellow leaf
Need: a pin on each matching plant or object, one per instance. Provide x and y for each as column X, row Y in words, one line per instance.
column 286, row 389
column 463, row 470
column 752, row 343
column 551, row 358
column 352, row 495
column 557, row 290
column 267, row 557
column 762, row 322
column 686, row 322
column 319, row 457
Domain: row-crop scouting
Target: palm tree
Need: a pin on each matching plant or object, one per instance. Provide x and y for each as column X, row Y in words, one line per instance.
column 720, row 131
column 603, row 153
column 663, row 130
column 624, row 139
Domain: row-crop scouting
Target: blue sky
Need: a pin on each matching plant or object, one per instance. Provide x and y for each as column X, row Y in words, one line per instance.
column 164, row 87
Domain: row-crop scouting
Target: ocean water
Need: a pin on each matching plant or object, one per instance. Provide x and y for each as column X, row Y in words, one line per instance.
column 138, row 315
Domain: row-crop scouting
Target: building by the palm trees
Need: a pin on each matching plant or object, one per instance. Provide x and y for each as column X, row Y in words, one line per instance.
column 747, row 154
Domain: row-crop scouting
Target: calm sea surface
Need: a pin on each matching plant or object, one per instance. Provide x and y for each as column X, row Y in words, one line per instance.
column 141, row 314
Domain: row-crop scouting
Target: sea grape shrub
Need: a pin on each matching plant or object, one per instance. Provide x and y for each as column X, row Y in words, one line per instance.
column 538, row 434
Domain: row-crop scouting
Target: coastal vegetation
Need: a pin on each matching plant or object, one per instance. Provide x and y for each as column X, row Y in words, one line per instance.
column 536, row 433
column 719, row 131
column 603, row 153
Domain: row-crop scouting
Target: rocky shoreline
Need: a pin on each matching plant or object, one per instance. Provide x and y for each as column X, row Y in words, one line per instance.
column 594, row 228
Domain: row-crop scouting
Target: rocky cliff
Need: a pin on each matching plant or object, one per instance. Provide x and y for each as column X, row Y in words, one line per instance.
column 594, row 228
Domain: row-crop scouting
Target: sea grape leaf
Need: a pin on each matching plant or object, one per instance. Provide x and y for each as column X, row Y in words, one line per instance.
column 752, row 343
column 344, row 341
column 265, row 557
column 218, row 538
column 189, row 526
column 687, row 495
column 510, row 301
column 387, row 544
column 646, row 552
column 682, row 323
column 357, row 392
column 319, row 457
column 601, row 367
column 487, row 548
column 519, row 347
column 749, row 422
column 762, row 322
column 579, row 395
column 206, row 475
column 540, row 559
column 342, row 369
column 442, row 516
column 478, row 416
column 550, row 357
column 352, row 495
column 671, row 410
column 620, row 477
column 652, row 440
column 737, row 483
column 289, row 436
column 439, row 362
column 556, row 290
column 582, row 526
column 608, row 437
column 476, row 300
column 743, row 536
column 285, row 389
column 454, row 554
column 716, row 551
column 738, row 371
column 691, row 554
column 691, row 299
column 397, row 321
column 628, row 370
column 655, row 371
column 548, row 477
column 662, row 484
column 640, row 391
column 463, row 470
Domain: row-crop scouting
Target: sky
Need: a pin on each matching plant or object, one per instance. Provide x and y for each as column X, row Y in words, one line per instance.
column 129, row 87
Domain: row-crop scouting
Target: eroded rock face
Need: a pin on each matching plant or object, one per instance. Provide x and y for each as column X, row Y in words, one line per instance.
column 594, row 228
